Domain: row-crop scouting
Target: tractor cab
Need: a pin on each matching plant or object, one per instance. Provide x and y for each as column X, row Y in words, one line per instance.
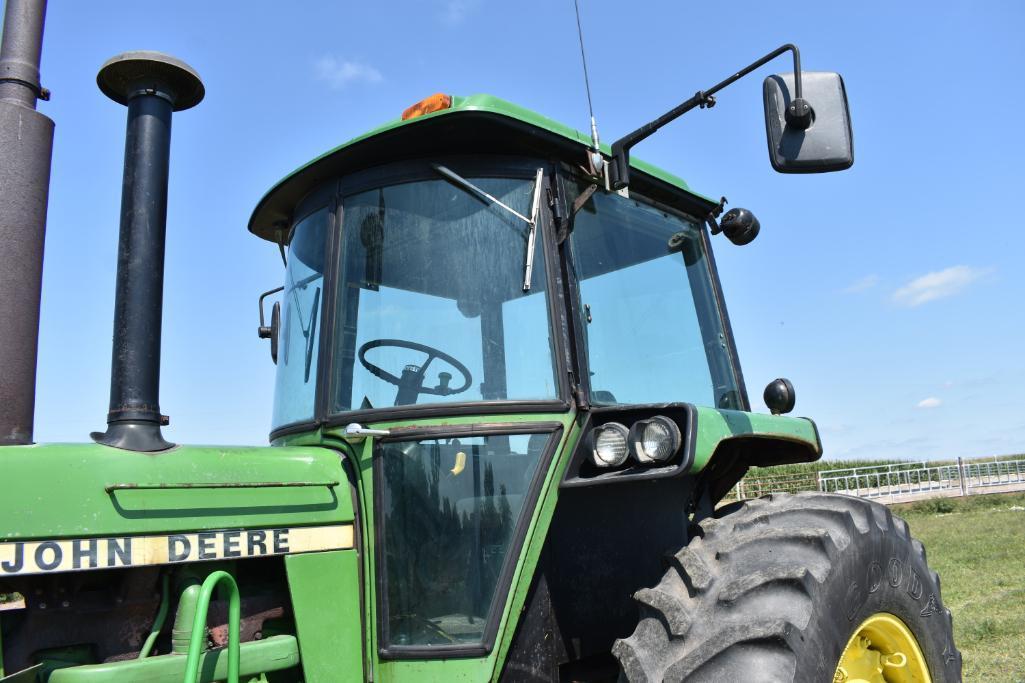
column 485, row 282
column 463, row 288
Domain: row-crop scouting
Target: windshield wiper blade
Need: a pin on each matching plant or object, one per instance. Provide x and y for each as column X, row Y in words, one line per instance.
column 528, row 266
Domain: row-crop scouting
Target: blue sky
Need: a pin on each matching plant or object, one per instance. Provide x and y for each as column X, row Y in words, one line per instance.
column 890, row 293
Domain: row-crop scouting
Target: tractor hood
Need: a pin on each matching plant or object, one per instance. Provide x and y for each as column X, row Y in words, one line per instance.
column 87, row 506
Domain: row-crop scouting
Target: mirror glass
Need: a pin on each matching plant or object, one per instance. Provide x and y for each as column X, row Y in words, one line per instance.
column 828, row 143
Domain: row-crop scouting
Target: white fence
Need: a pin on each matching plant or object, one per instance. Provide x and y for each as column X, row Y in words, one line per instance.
column 914, row 479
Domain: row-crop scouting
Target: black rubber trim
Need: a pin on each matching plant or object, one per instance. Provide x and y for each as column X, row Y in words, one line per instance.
column 724, row 317
column 446, row 409
column 480, row 429
column 294, row 428
column 504, row 585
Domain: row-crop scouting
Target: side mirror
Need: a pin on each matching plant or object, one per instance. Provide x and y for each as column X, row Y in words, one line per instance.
column 780, row 396
column 800, row 141
column 275, row 327
column 271, row 331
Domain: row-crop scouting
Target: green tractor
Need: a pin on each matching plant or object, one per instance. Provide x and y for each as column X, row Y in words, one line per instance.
column 508, row 408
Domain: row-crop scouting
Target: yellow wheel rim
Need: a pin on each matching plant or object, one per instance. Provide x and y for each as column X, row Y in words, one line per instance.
column 882, row 650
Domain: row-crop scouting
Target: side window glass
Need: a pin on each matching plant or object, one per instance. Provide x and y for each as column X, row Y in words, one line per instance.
column 299, row 336
column 448, row 516
column 652, row 329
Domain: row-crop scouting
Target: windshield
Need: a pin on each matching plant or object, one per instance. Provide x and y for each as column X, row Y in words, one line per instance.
column 432, row 305
column 653, row 333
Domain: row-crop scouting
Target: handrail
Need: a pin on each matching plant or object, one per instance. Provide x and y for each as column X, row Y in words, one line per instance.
column 888, row 467
column 110, row 488
column 199, row 626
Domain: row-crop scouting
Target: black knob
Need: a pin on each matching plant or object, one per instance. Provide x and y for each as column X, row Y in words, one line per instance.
column 740, row 226
column 779, row 396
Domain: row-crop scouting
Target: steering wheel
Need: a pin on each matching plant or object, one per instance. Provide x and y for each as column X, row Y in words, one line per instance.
column 410, row 384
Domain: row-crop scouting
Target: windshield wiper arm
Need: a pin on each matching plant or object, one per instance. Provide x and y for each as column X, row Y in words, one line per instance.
column 528, row 266
column 460, row 180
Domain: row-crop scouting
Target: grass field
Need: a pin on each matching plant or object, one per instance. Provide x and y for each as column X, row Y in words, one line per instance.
column 977, row 544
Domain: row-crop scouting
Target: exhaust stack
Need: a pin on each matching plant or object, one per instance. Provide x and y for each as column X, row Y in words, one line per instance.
column 26, row 143
column 152, row 85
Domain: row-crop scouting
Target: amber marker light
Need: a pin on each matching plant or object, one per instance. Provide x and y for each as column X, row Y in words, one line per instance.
column 428, row 105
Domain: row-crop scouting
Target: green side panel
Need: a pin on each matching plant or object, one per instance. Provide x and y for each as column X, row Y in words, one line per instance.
column 276, row 653
column 537, row 534
column 438, row 670
column 59, row 491
column 325, row 599
column 716, row 426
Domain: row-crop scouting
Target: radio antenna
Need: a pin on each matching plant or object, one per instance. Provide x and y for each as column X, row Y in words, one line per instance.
column 587, row 85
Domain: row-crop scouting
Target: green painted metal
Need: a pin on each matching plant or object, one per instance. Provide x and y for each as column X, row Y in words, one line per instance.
column 158, row 621
column 460, row 105
column 277, row 653
column 34, row 503
column 197, row 641
column 325, row 591
column 716, row 426
column 184, row 617
column 537, row 534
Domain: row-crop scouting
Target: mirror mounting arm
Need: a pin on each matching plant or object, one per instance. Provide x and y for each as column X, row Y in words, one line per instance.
column 798, row 114
column 263, row 330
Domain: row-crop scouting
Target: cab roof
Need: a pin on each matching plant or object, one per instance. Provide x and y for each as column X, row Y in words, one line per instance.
column 478, row 124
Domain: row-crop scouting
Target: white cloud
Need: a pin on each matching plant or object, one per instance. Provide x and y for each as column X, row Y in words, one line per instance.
column 942, row 283
column 931, row 402
column 339, row 73
column 867, row 282
column 453, row 12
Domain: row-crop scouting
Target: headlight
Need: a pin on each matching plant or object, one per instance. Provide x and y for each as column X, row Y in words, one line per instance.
column 609, row 445
column 654, row 440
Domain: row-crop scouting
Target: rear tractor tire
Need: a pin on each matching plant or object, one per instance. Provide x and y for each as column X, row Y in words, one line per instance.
column 806, row 587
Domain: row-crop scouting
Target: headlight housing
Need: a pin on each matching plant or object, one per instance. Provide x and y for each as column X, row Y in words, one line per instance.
column 609, row 445
column 654, row 440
